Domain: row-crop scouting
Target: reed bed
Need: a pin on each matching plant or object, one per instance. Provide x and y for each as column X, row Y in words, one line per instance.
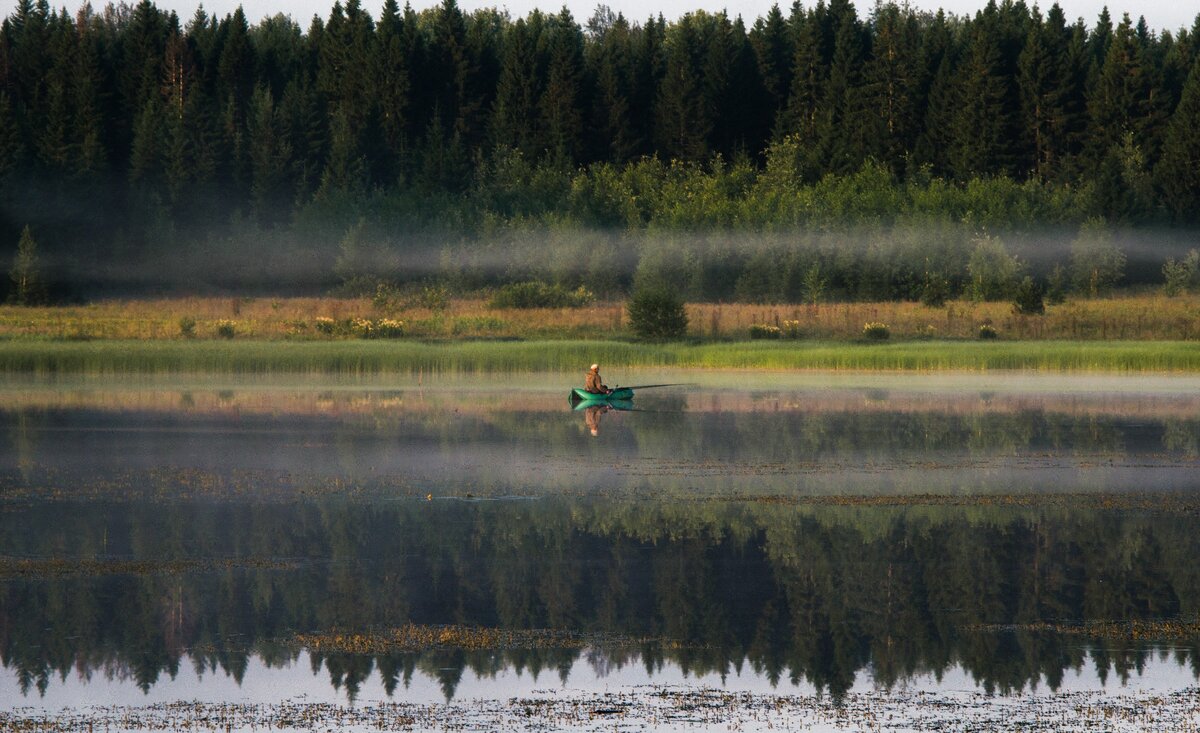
column 1126, row 317
column 366, row 358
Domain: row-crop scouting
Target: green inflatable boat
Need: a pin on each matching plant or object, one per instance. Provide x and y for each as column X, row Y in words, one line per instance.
column 620, row 394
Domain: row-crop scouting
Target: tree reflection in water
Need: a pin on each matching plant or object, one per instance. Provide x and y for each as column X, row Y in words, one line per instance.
column 722, row 563
column 797, row 592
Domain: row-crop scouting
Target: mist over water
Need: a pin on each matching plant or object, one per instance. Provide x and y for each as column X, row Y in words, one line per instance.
column 834, row 535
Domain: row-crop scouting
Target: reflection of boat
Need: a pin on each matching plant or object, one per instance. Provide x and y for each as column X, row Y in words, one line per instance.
column 620, row 394
column 622, row 405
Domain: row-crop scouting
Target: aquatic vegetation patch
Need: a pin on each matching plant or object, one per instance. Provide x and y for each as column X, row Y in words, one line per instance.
column 1177, row 629
column 58, row 567
column 660, row 707
column 420, row 637
column 1172, row 502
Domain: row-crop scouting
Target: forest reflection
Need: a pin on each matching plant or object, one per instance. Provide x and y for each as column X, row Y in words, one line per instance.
column 816, row 594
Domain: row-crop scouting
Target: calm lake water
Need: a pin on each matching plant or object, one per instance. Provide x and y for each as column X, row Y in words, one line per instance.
column 163, row 541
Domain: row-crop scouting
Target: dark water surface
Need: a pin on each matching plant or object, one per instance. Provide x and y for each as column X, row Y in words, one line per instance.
column 167, row 542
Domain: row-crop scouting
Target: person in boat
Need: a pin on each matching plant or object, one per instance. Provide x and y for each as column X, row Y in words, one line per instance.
column 593, row 383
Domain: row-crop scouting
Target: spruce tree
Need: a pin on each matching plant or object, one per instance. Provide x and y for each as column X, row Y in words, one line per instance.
column 450, row 65
column 53, row 113
column 234, row 84
column 29, row 50
column 235, row 67
column 617, row 136
column 561, row 101
column 413, row 39
column 304, row 117
column 775, row 53
column 1178, row 171
column 514, row 112
column 936, row 111
column 270, row 158
column 892, row 85
column 749, row 109
column 682, row 121
column 849, row 131
column 648, row 71
column 1120, row 99
column 981, row 144
column 345, row 169
column 90, row 152
column 392, row 84
column 1074, row 100
column 28, row 287
column 146, row 149
column 142, row 49
column 1044, row 85
column 717, row 55
column 803, row 114
column 176, row 136
column 12, row 144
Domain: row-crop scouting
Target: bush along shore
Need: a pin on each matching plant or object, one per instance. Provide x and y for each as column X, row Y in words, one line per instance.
column 438, row 317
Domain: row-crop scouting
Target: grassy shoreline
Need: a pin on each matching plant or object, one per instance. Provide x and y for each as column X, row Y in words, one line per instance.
column 366, row 358
column 1128, row 316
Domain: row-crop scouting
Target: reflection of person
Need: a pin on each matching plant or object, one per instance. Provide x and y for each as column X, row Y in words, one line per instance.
column 592, row 417
column 593, row 383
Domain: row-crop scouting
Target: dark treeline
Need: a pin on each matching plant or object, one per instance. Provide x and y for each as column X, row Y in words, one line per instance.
column 820, row 596
column 145, row 148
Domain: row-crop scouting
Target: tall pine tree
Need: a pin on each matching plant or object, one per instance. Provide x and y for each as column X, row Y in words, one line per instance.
column 1178, row 171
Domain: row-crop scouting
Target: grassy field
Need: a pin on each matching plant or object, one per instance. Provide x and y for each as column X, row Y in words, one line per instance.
column 361, row 358
column 1129, row 317
column 1132, row 333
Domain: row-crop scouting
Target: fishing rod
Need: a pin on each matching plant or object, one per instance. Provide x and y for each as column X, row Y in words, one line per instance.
column 648, row 386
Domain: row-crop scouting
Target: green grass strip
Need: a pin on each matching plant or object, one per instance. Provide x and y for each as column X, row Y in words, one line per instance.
column 48, row 358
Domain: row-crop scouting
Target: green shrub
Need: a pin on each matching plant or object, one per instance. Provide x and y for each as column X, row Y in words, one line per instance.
column 1028, row 300
column 791, row 329
column 935, row 290
column 226, row 329
column 325, row 325
column 383, row 328
column 187, row 327
column 435, row 297
column 537, row 294
column 657, row 313
column 1183, row 276
column 813, row 285
column 388, row 328
column 1096, row 263
column 876, row 331
column 1056, row 286
column 993, row 271
column 987, row 332
column 387, row 297
column 477, row 324
column 761, row 331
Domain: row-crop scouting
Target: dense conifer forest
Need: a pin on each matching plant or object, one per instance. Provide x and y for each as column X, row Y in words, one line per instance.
column 879, row 149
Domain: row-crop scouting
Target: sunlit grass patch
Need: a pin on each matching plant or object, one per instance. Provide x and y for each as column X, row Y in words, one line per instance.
column 374, row 357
